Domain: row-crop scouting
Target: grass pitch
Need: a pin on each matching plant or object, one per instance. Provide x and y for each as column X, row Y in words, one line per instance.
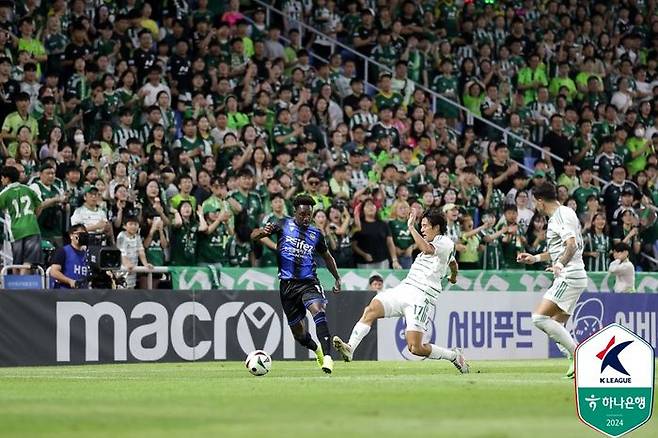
column 361, row 399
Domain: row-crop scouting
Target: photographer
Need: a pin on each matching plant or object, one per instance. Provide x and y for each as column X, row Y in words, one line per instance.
column 70, row 268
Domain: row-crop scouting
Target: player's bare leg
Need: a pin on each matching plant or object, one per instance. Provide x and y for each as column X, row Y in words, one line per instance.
column 371, row 313
column 550, row 319
column 302, row 336
column 417, row 347
column 317, row 310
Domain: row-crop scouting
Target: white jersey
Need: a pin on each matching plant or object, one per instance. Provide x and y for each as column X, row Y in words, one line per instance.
column 428, row 271
column 562, row 226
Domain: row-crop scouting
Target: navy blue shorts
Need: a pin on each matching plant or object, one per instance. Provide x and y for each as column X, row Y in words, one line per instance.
column 297, row 296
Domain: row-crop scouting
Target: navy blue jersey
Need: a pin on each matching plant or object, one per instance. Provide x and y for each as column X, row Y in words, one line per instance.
column 296, row 247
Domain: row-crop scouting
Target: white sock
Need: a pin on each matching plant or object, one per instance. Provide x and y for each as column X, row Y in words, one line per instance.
column 441, row 353
column 359, row 332
column 555, row 331
column 563, row 350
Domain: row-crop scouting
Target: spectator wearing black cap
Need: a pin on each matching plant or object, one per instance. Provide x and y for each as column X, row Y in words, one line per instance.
column 93, row 217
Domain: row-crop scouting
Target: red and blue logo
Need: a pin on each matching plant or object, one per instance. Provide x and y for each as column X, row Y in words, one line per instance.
column 609, row 356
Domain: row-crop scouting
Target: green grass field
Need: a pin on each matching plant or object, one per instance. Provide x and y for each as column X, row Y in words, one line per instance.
column 221, row 399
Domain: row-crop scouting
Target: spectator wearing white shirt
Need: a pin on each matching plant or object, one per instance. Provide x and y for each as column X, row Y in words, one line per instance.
column 622, row 268
column 130, row 243
column 91, row 215
column 153, row 87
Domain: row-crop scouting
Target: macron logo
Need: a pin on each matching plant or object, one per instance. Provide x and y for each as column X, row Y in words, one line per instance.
column 610, row 356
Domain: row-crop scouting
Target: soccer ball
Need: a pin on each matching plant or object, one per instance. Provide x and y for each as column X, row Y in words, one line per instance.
column 258, row 363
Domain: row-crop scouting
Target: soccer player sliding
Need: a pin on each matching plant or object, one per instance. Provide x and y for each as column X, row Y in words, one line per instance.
column 415, row 296
column 299, row 287
column 565, row 251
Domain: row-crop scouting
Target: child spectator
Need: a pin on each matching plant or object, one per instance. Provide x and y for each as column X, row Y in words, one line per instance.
column 129, row 242
column 622, row 268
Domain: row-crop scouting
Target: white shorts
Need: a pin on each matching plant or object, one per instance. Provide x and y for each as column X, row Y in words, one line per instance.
column 408, row 301
column 565, row 293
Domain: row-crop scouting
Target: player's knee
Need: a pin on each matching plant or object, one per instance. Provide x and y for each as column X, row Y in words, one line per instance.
column 368, row 313
column 538, row 320
column 414, row 349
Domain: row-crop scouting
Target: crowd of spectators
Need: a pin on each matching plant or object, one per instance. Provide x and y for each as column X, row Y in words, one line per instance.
column 189, row 125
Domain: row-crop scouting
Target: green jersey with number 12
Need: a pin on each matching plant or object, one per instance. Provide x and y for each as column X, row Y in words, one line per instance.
column 20, row 203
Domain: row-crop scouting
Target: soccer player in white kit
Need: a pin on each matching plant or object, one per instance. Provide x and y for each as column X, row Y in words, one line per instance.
column 565, row 252
column 416, row 295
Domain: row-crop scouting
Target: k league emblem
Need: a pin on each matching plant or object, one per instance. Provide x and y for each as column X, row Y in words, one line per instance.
column 614, row 380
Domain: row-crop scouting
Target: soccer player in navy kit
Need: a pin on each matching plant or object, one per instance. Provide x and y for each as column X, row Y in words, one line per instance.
column 297, row 243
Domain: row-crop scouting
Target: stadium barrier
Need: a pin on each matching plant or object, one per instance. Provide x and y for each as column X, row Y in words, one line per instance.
column 104, row 326
column 204, row 278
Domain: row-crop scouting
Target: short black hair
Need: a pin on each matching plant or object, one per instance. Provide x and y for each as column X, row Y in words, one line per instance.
column 245, row 172
column 375, row 277
column 621, row 246
column 545, row 192
column 10, row 172
column 77, row 227
column 130, row 218
column 303, row 200
column 435, row 217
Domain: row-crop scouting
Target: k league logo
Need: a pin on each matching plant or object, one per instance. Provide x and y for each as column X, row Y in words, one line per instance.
column 614, row 380
column 610, row 356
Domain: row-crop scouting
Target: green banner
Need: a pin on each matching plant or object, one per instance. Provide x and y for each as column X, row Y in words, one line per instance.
column 186, row 278
column 614, row 411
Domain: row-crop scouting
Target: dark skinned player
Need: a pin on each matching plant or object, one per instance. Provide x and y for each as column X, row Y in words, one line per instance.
column 298, row 242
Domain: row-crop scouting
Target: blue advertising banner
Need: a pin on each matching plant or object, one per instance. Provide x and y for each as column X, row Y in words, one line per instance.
column 637, row 312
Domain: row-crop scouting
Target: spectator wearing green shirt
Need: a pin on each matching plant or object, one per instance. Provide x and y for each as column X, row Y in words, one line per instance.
column 447, row 85
column 31, row 45
column 22, row 206
column 584, row 190
column 185, row 233
column 387, row 98
column 211, row 247
column 563, row 80
column 248, row 199
column 639, row 149
column 531, row 78
column 468, row 245
column 185, row 186
column 19, row 118
column 404, row 242
column 569, row 177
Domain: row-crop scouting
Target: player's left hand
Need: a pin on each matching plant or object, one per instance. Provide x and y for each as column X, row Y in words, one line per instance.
column 396, row 265
column 336, row 288
column 453, row 278
column 411, row 222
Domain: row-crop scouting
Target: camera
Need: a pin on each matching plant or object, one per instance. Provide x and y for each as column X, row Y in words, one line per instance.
column 103, row 260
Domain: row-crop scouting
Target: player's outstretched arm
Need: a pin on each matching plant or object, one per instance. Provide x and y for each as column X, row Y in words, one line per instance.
column 423, row 245
column 530, row 259
column 259, row 233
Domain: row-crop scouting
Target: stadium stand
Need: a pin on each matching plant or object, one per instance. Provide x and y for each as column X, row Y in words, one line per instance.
column 203, row 120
